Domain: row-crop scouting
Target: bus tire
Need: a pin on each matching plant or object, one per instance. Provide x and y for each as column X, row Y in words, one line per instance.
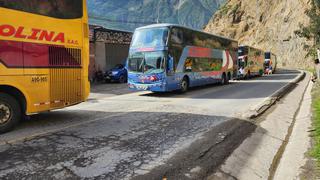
column 248, row 75
column 229, row 77
column 224, row 79
column 10, row 112
column 184, row 85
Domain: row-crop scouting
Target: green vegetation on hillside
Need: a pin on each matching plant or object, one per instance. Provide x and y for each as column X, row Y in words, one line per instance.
column 312, row 31
column 316, row 122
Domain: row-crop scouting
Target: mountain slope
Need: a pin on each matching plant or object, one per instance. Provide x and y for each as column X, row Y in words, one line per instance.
column 268, row 25
column 129, row 14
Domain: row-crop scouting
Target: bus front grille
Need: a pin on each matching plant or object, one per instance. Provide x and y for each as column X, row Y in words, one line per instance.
column 65, row 76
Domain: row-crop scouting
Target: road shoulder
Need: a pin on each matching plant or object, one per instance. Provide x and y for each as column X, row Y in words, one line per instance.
column 258, row 156
column 299, row 142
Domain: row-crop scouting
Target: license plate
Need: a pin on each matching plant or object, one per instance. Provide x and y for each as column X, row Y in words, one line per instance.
column 143, row 87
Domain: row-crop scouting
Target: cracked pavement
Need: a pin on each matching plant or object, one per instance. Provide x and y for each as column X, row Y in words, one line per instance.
column 138, row 135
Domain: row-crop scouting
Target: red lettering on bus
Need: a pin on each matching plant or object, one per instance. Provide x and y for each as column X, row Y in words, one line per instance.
column 59, row 37
column 45, row 35
column 34, row 35
column 19, row 33
column 7, row 30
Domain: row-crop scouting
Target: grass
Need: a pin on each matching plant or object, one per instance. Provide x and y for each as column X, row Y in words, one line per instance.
column 224, row 9
column 311, row 70
column 315, row 152
column 235, row 8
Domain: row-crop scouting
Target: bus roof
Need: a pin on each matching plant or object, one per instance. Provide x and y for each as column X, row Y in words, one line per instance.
column 181, row 26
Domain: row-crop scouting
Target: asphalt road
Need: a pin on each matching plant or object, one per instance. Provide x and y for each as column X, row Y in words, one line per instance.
column 141, row 135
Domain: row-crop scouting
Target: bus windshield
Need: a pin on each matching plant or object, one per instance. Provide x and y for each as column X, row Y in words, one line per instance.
column 267, row 55
column 62, row 9
column 147, row 62
column 242, row 51
column 150, row 37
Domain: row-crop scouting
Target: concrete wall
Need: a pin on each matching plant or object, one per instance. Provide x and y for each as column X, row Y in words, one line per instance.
column 100, row 56
column 115, row 54
column 106, row 56
column 92, row 66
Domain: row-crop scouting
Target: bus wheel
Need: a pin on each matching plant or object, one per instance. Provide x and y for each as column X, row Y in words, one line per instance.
column 224, row 79
column 248, row 75
column 184, row 85
column 10, row 112
column 229, row 77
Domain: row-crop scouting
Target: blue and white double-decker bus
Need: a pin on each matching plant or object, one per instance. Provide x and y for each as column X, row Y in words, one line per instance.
column 166, row 57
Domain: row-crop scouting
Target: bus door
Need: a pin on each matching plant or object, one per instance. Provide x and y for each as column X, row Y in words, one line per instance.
column 170, row 74
column 173, row 73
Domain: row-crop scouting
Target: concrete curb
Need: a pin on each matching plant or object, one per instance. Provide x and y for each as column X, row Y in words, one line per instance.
column 269, row 101
column 297, row 142
column 259, row 155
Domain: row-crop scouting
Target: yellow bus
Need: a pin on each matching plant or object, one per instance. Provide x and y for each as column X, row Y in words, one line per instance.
column 44, row 57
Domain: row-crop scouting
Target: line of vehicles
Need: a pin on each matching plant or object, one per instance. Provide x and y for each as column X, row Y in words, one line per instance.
column 44, row 58
column 167, row 57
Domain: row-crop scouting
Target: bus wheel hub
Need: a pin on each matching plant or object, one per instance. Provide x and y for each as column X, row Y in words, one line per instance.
column 5, row 113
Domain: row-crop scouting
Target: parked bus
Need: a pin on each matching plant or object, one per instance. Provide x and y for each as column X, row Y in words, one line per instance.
column 44, row 56
column 270, row 61
column 251, row 61
column 166, row 57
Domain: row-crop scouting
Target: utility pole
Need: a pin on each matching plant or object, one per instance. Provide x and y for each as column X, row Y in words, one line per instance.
column 158, row 13
column 179, row 4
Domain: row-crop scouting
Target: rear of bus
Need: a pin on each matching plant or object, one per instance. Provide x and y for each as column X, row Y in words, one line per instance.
column 44, row 49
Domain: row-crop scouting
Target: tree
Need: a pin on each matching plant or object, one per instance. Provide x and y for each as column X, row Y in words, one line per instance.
column 312, row 31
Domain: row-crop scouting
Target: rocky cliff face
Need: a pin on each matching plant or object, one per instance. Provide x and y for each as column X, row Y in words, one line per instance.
column 127, row 15
column 265, row 24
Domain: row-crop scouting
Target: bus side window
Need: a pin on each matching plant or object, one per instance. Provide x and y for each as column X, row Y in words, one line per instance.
column 188, row 65
column 196, row 65
column 176, row 36
column 188, row 38
column 175, row 52
column 62, row 9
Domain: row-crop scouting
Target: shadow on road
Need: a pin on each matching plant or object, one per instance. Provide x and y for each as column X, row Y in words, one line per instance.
column 117, row 146
column 110, row 89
